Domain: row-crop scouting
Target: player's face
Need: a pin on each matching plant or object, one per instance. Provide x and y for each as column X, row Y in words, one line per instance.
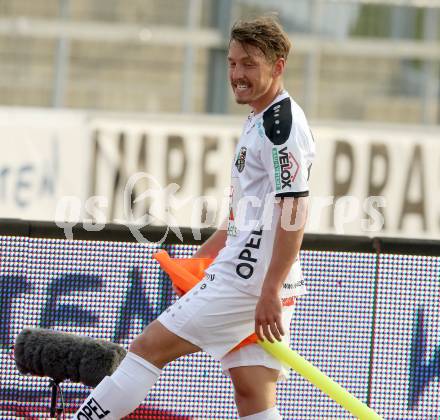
column 254, row 80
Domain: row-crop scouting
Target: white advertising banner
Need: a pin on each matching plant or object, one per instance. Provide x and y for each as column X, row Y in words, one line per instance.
column 379, row 181
column 183, row 169
column 175, row 169
column 43, row 158
column 368, row 180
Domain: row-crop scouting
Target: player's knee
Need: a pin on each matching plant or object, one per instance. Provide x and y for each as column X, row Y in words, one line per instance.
column 145, row 346
column 244, row 395
column 253, row 389
column 247, row 393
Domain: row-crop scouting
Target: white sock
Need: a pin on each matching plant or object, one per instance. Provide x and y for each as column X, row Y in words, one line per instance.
column 118, row 395
column 270, row 414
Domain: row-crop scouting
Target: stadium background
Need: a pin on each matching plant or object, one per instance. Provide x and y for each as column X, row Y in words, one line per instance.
column 94, row 91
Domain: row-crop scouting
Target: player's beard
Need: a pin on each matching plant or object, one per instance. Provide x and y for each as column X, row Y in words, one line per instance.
column 243, row 100
column 254, row 92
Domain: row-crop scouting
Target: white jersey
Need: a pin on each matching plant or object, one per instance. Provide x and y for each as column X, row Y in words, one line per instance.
column 272, row 159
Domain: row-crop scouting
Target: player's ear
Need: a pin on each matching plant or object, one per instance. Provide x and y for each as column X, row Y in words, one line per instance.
column 278, row 67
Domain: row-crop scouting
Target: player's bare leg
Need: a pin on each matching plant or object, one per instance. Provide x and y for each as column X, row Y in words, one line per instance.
column 119, row 394
column 255, row 391
column 160, row 346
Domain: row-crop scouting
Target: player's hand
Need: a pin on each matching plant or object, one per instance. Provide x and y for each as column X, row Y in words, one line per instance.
column 268, row 317
column 177, row 291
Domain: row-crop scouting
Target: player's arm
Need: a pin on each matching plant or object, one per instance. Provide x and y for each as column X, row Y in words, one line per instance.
column 212, row 246
column 287, row 153
column 209, row 249
column 288, row 238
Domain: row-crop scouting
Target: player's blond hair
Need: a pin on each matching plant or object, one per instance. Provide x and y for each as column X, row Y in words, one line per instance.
column 265, row 33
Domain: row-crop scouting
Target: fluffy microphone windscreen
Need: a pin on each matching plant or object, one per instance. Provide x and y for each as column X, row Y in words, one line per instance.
column 60, row 356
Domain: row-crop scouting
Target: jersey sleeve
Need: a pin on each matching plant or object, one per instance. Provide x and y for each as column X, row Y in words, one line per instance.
column 287, row 151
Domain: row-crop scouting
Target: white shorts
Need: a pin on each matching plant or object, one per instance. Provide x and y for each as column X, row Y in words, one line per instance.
column 216, row 316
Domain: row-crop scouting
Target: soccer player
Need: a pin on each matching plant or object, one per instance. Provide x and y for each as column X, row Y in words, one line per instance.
column 255, row 278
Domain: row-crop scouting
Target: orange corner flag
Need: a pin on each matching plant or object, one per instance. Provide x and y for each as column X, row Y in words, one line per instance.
column 185, row 273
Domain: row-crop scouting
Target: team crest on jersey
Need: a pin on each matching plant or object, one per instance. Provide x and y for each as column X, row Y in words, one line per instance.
column 241, row 159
